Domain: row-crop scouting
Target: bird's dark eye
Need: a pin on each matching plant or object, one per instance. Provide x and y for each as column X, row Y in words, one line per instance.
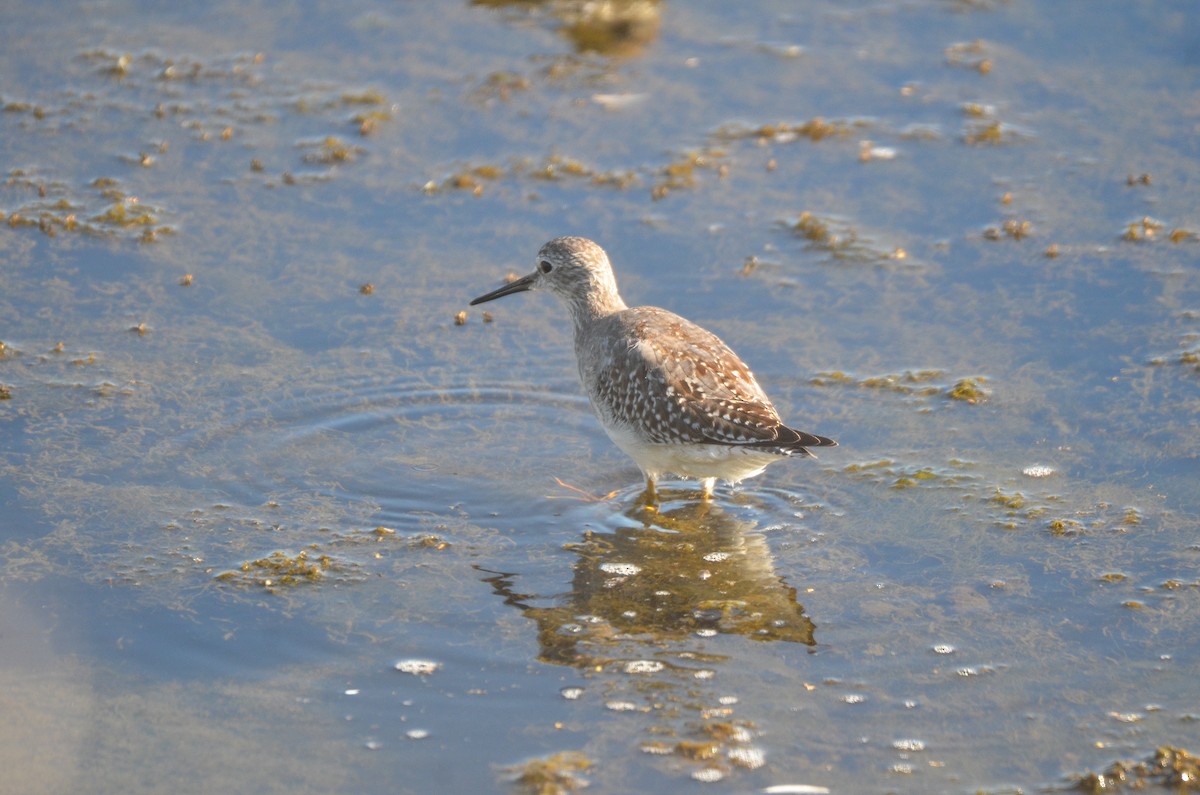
column 545, row 267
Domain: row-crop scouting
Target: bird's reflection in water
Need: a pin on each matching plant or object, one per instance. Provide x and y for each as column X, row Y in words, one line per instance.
column 622, row 28
column 645, row 600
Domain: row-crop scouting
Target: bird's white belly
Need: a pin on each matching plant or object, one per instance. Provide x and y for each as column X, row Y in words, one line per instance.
column 690, row 460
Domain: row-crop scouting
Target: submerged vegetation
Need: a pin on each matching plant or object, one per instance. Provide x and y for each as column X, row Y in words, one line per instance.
column 335, row 559
column 557, row 774
column 1168, row 768
column 281, row 569
column 914, row 383
column 842, row 242
column 106, row 210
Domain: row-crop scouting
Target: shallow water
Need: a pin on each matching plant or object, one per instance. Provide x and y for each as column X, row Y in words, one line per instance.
column 239, row 487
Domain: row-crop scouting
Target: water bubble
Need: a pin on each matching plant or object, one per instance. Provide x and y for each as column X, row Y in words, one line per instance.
column 1126, row 717
column 740, row 734
column 643, row 667
column 708, row 774
column 909, row 745
column 749, row 757
column 623, row 569
column 418, row 667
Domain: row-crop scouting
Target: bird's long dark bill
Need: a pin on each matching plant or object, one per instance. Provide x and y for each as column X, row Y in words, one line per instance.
column 519, row 286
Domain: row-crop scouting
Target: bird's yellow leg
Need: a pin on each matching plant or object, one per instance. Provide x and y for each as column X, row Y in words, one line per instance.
column 649, row 497
column 707, row 485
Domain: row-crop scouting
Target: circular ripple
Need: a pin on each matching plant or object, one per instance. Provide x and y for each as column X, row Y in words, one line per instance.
column 402, row 448
column 304, row 480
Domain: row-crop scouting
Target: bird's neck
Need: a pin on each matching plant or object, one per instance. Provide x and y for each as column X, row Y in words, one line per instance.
column 595, row 305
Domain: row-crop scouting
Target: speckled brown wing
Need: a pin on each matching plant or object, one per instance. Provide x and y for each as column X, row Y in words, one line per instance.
column 681, row 383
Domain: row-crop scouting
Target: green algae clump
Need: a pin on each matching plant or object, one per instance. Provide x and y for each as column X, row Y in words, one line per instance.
column 279, row 568
column 553, row 775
